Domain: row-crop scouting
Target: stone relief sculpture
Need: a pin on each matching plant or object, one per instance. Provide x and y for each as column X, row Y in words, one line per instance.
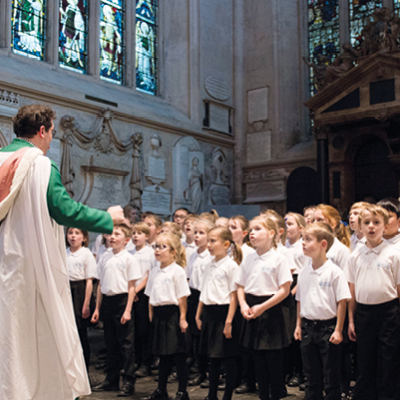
column 102, row 138
column 194, row 192
column 219, row 190
column 342, row 64
column 319, row 71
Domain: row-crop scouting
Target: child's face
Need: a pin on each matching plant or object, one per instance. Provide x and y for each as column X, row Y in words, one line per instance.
column 293, row 229
column 139, row 238
column 260, row 237
column 75, row 238
column 237, row 231
column 188, row 229
column 393, row 226
column 311, row 247
column 372, row 227
column 216, row 246
column 163, row 252
column 319, row 217
column 153, row 229
column 353, row 219
column 200, row 235
column 179, row 217
column 118, row 240
column 308, row 215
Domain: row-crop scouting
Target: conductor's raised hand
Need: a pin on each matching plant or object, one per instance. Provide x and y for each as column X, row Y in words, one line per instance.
column 117, row 214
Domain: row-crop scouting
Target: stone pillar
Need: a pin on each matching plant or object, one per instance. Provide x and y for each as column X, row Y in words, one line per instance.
column 5, row 23
column 130, row 43
column 321, row 136
column 52, row 32
column 93, row 39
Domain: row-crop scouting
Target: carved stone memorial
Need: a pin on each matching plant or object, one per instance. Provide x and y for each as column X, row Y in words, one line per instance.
column 219, row 189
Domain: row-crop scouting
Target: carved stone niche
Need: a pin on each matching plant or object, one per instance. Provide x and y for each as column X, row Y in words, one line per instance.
column 89, row 159
column 219, row 189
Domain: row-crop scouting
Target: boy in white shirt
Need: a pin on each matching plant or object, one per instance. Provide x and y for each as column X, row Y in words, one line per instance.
column 391, row 232
column 117, row 271
column 322, row 293
column 373, row 274
column 357, row 238
column 188, row 231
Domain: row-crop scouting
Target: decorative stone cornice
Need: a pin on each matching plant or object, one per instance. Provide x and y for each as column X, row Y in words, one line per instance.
column 9, row 98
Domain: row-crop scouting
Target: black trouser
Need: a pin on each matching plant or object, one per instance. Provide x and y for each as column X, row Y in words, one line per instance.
column 119, row 339
column 378, row 337
column 83, row 336
column 321, row 359
column 142, row 331
column 215, row 370
column 165, row 368
column 269, row 371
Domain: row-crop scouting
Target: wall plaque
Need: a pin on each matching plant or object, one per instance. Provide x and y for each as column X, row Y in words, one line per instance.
column 219, row 118
column 217, row 88
column 258, row 147
column 273, row 190
column 257, row 105
column 156, row 199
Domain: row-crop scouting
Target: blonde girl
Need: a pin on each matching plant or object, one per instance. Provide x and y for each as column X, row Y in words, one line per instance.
column 263, row 283
column 167, row 290
column 216, row 310
column 81, row 270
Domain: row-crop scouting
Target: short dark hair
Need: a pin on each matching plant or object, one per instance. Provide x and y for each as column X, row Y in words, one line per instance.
column 29, row 119
column 391, row 204
column 183, row 209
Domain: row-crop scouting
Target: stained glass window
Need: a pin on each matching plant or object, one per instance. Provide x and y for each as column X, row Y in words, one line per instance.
column 323, row 31
column 73, row 32
column 360, row 14
column 112, row 43
column 146, row 46
column 28, row 27
column 397, row 6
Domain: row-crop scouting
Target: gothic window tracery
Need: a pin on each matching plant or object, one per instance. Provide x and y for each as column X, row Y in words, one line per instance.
column 28, row 28
column 73, row 35
column 146, row 46
column 112, row 40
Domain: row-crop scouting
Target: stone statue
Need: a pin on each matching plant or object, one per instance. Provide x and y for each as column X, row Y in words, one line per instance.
column 195, row 190
column 319, row 70
column 342, row 64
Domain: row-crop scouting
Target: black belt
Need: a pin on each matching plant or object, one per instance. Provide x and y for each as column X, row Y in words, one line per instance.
column 319, row 322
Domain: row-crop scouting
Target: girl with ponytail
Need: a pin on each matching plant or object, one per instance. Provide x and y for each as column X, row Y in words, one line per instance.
column 167, row 289
column 216, row 310
column 339, row 253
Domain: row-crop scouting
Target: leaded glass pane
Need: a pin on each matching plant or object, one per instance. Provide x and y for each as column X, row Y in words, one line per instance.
column 397, row 5
column 28, row 27
column 360, row 14
column 112, row 44
column 73, row 33
column 146, row 46
column 323, row 31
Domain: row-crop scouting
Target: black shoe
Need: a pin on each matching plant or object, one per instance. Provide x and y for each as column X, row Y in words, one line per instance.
column 196, row 380
column 221, row 386
column 245, row 388
column 302, row 387
column 295, row 381
column 205, row 384
column 157, row 395
column 181, row 396
column 142, row 372
column 105, row 386
column 127, row 390
column 173, row 377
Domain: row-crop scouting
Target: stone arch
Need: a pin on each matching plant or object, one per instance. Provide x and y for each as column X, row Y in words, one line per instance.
column 301, row 189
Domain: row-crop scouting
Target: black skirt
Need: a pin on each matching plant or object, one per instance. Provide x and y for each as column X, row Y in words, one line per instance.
column 193, row 302
column 166, row 335
column 78, row 292
column 213, row 342
column 268, row 331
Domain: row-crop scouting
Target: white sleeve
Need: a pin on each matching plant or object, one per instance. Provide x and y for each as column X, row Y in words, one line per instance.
column 97, row 244
column 284, row 274
column 350, row 270
column 147, row 290
column 133, row 269
column 341, row 287
column 181, row 284
column 90, row 265
column 233, row 274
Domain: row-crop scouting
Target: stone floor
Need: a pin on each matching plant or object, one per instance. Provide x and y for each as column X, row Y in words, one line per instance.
column 145, row 386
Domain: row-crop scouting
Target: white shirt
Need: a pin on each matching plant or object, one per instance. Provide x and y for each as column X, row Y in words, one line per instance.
column 355, row 242
column 145, row 258
column 395, row 240
column 339, row 254
column 81, row 264
column 189, row 249
column 196, row 266
column 320, row 290
column 219, row 281
column 263, row 275
column 375, row 273
column 288, row 254
column 299, row 258
column 97, row 245
column 246, row 251
column 130, row 246
column 166, row 285
column 102, row 250
column 115, row 271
